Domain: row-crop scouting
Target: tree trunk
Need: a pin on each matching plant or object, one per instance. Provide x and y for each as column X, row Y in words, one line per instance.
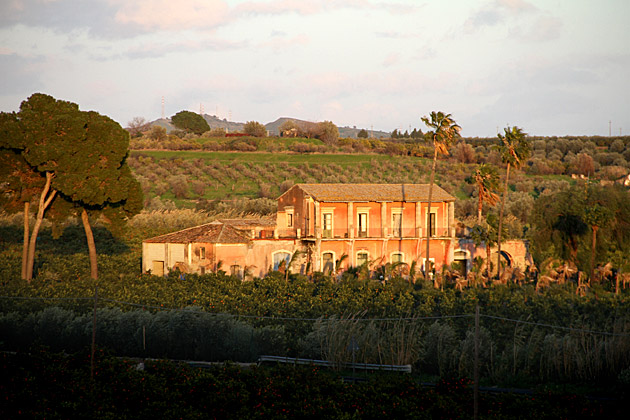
column 91, row 245
column 488, row 259
column 593, row 244
column 44, row 202
column 507, row 177
column 479, row 208
column 27, row 206
column 428, row 219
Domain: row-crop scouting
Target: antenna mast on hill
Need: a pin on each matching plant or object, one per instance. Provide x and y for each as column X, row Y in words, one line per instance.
column 162, row 107
column 230, row 115
column 200, row 109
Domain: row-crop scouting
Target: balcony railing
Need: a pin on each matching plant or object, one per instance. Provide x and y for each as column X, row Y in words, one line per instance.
column 344, row 233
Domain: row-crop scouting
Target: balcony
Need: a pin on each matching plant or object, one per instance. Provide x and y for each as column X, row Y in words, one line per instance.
column 376, row 233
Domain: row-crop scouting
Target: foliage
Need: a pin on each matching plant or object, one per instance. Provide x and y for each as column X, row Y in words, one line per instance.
column 190, row 122
column 52, row 385
column 444, row 132
column 82, row 157
column 561, row 224
column 254, row 128
column 327, row 132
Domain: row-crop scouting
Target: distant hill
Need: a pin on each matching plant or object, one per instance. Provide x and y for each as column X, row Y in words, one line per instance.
column 272, row 127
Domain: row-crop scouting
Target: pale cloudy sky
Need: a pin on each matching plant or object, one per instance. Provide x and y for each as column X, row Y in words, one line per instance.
column 553, row 67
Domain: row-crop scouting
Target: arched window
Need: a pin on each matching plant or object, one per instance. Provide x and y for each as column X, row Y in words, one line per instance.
column 280, row 256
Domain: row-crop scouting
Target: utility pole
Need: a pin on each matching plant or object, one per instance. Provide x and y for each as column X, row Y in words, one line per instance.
column 162, row 107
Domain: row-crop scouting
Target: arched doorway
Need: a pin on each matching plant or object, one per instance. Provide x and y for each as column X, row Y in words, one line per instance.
column 460, row 258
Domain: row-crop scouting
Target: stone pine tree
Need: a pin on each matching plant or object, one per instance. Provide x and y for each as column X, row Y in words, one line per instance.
column 79, row 155
column 19, row 186
column 444, row 132
column 515, row 150
column 190, row 122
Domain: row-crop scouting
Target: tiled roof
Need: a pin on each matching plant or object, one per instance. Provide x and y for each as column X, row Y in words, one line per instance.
column 251, row 223
column 215, row 232
column 375, row 192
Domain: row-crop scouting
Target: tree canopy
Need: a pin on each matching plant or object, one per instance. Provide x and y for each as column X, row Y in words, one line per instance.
column 254, row 128
column 190, row 122
column 564, row 223
column 61, row 153
column 327, row 132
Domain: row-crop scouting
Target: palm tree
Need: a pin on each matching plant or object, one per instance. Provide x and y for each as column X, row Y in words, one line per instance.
column 514, row 149
column 290, row 262
column 487, row 181
column 443, row 134
column 484, row 234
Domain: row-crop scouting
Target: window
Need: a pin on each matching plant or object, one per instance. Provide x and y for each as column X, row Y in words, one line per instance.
column 362, row 258
column 289, row 212
column 431, row 264
column 362, row 224
column 397, row 223
column 431, row 223
column 280, row 256
column 328, row 262
column 327, row 225
column 202, row 252
column 398, row 257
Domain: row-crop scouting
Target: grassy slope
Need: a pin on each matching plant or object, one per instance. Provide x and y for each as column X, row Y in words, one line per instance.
column 262, row 157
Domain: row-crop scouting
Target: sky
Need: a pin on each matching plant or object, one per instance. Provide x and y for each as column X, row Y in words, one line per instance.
column 551, row 67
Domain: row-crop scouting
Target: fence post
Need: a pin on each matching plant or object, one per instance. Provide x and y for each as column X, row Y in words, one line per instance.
column 93, row 333
column 476, row 364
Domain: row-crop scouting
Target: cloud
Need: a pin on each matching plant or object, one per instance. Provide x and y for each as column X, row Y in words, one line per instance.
column 391, row 59
column 523, row 20
column 60, row 15
column 395, row 35
column 20, row 73
column 497, row 12
column 115, row 18
column 280, row 43
column 168, row 15
column 311, row 7
column 544, row 28
column 154, row 49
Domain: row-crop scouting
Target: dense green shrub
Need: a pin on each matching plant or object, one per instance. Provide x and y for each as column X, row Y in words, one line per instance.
column 54, row 386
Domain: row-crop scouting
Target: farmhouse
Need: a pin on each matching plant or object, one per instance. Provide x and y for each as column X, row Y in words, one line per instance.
column 333, row 226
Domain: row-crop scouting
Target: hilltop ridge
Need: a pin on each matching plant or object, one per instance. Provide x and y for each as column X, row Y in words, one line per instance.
column 272, row 127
